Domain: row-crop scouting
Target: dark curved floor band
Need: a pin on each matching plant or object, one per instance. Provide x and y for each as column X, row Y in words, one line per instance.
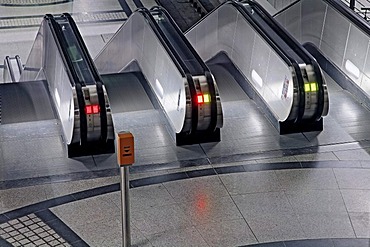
column 32, row 4
column 327, row 242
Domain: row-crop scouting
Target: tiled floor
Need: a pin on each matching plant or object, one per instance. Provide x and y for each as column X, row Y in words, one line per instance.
column 254, row 187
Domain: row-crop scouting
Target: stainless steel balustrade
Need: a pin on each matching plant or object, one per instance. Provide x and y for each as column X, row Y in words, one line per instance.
column 227, row 31
column 46, row 63
column 60, row 58
column 342, row 40
column 136, row 42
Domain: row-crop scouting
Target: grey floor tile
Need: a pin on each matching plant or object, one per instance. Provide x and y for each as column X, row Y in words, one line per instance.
column 159, row 219
column 276, row 227
column 149, row 196
column 19, row 197
column 340, row 147
column 104, row 232
column 365, row 164
column 206, row 209
column 88, row 210
column 316, row 156
column 194, row 188
column 332, row 133
column 227, row 233
column 306, row 179
column 33, row 149
column 184, row 237
column 357, row 200
column 105, row 160
column 329, row 201
column 259, row 204
column 64, row 188
column 361, row 224
column 95, row 43
column 251, row 182
column 326, row 225
column 358, row 154
column 353, row 178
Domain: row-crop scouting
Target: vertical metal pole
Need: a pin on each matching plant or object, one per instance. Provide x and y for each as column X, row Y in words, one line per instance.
column 352, row 4
column 125, row 205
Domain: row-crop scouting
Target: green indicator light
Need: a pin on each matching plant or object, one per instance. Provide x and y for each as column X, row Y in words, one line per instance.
column 307, row 87
column 206, row 98
column 313, row 87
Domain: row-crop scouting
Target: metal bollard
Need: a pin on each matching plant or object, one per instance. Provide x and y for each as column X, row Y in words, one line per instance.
column 125, row 158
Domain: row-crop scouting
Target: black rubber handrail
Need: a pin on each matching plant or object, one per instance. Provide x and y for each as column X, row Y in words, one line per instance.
column 62, row 47
column 10, row 68
column 96, row 76
column 181, row 35
column 19, row 63
column 285, row 8
column 212, row 92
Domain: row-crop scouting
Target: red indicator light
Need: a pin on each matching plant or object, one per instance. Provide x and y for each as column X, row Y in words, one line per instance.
column 92, row 109
column 88, row 109
column 200, row 99
column 95, row 109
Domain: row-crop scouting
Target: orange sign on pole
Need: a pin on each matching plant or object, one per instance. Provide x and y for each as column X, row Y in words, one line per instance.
column 125, row 148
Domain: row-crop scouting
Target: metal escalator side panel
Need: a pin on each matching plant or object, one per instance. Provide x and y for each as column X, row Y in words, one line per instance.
column 80, row 102
column 8, row 75
column 64, row 86
column 191, row 106
column 19, row 63
column 9, row 69
column 216, row 108
column 34, row 62
column 61, row 90
column 103, row 104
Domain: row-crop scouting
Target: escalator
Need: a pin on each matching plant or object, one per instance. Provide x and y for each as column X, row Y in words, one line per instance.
column 271, row 67
column 61, row 81
column 150, row 58
column 337, row 37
